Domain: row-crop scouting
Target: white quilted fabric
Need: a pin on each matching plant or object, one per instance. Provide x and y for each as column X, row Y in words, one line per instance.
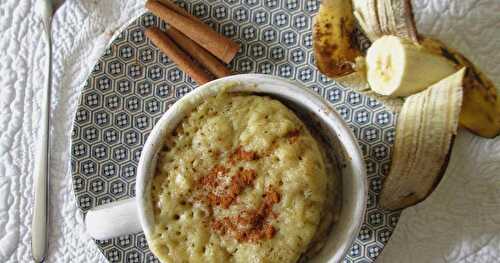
column 81, row 31
column 460, row 222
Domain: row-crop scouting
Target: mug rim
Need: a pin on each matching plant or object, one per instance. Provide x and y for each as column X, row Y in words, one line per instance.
column 174, row 115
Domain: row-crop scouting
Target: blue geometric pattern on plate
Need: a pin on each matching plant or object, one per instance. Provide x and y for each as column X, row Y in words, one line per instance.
column 133, row 84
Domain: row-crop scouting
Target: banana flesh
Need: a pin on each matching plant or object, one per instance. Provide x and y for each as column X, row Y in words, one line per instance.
column 397, row 67
column 426, row 125
column 333, row 28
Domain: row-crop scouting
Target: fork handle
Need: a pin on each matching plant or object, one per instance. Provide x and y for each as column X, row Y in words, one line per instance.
column 39, row 225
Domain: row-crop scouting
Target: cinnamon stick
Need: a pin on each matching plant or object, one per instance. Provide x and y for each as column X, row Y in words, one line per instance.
column 167, row 46
column 222, row 47
column 198, row 53
column 178, row 9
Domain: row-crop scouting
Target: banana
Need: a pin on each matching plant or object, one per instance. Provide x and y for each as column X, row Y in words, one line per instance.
column 334, row 48
column 403, row 67
column 426, row 126
column 481, row 107
column 397, row 67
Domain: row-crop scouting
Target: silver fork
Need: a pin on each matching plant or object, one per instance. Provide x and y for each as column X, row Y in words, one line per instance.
column 39, row 225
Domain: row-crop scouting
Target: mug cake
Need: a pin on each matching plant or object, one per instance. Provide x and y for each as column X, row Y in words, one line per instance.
column 241, row 179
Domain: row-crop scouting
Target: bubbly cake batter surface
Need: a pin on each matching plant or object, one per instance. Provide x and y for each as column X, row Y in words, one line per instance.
column 240, row 180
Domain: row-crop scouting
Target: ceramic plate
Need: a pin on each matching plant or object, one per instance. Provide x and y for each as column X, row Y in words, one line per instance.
column 133, row 84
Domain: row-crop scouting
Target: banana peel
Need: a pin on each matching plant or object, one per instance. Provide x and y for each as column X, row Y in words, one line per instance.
column 426, row 126
column 481, row 106
column 385, row 17
column 334, row 46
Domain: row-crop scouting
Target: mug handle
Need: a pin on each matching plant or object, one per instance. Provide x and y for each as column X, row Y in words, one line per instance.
column 113, row 220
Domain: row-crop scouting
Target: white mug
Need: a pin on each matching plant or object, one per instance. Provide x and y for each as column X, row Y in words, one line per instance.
column 135, row 214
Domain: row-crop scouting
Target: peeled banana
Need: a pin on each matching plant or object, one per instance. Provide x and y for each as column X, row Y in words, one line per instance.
column 397, row 67
column 426, row 125
column 334, row 49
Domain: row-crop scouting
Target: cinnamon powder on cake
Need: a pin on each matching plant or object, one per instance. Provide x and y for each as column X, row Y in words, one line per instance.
column 241, row 155
column 250, row 225
column 211, row 179
column 242, row 179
